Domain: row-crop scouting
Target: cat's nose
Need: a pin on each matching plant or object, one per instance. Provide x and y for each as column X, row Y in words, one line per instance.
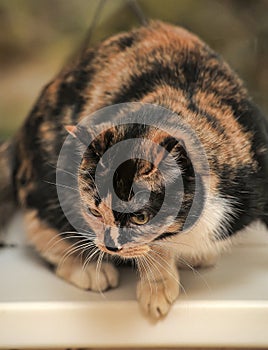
column 109, row 242
column 113, row 249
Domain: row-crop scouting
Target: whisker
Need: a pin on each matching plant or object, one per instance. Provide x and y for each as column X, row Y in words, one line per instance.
column 154, row 274
column 75, row 248
column 164, row 243
column 62, row 239
column 195, row 271
column 98, row 268
column 168, row 268
column 63, row 170
column 187, row 264
column 143, row 272
column 89, row 258
column 61, row 185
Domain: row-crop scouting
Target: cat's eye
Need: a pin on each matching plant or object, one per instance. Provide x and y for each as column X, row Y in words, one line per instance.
column 140, row 218
column 94, row 212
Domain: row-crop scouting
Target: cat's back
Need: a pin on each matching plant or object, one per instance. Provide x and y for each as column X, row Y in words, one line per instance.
column 157, row 63
column 132, row 66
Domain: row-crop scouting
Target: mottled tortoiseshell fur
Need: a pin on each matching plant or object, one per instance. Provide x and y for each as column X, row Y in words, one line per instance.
column 163, row 65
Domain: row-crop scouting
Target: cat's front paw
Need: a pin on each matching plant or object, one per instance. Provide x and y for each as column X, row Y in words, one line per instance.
column 156, row 297
column 89, row 277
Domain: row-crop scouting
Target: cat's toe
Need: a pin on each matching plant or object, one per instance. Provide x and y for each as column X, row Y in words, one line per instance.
column 89, row 277
column 156, row 298
column 103, row 278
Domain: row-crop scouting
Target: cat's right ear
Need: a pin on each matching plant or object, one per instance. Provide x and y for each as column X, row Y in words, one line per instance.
column 71, row 129
column 79, row 132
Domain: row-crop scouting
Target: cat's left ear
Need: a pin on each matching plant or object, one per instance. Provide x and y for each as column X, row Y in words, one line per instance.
column 79, row 132
column 174, row 147
column 170, row 145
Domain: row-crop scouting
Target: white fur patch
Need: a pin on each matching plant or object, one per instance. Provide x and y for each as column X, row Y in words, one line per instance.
column 200, row 242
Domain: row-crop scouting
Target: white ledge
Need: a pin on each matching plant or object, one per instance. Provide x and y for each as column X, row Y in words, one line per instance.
column 224, row 306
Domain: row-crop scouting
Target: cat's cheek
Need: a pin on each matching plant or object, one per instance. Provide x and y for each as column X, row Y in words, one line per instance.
column 95, row 225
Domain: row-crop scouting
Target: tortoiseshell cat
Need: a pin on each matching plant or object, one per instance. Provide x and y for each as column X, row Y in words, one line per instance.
column 158, row 64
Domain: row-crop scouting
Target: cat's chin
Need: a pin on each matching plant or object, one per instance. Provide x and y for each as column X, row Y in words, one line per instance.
column 128, row 252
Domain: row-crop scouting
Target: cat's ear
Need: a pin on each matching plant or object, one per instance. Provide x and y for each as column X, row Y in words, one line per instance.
column 104, row 141
column 176, row 148
column 171, row 144
column 79, row 132
column 71, row 129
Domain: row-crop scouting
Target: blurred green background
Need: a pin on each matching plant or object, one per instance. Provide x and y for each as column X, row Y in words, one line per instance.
column 37, row 36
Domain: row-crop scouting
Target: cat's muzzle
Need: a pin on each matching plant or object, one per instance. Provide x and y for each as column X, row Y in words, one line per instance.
column 126, row 251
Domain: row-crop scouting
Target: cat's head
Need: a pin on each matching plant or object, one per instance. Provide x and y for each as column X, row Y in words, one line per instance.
column 136, row 185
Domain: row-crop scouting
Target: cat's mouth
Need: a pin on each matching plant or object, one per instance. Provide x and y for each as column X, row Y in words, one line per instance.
column 128, row 252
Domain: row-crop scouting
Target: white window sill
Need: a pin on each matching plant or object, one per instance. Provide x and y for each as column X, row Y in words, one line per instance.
column 225, row 306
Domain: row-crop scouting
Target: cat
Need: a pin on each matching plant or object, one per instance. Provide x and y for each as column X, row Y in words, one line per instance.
column 157, row 64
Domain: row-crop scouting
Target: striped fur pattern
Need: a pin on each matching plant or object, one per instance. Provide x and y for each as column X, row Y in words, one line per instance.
column 167, row 66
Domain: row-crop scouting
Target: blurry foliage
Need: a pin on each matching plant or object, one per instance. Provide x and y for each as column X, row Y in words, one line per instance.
column 37, row 36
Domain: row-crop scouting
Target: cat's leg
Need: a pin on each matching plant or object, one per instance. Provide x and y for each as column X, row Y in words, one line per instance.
column 159, row 285
column 58, row 252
